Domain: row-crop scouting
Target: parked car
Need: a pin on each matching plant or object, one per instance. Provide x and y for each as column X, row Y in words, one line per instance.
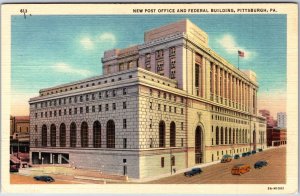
column 236, row 156
column 260, row 164
column 240, row 169
column 193, row 172
column 244, row 154
column 226, row 158
column 44, row 178
column 14, row 168
column 253, row 152
column 260, row 150
column 248, row 153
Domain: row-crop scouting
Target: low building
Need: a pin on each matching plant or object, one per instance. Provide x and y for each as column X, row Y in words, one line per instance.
column 19, row 134
column 276, row 136
column 169, row 103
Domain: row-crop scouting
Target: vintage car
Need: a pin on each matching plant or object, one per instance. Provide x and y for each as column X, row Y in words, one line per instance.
column 260, row 164
column 193, row 172
column 226, row 158
column 244, row 154
column 44, row 178
column 237, row 156
column 253, row 152
column 240, row 169
column 260, row 150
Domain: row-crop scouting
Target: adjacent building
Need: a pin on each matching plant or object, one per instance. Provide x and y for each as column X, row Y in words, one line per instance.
column 19, row 134
column 169, row 103
column 276, row 136
column 271, row 122
column 281, row 119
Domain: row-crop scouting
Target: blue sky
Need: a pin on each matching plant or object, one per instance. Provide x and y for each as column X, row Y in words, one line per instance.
column 51, row 50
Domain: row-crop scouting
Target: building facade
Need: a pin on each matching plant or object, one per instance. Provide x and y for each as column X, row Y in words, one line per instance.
column 169, row 103
column 19, row 134
column 276, row 136
column 281, row 119
column 269, row 119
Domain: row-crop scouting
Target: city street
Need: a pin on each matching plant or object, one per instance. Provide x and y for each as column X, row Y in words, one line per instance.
column 220, row 173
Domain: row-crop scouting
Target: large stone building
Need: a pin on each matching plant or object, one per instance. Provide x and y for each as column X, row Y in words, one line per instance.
column 168, row 103
column 19, row 134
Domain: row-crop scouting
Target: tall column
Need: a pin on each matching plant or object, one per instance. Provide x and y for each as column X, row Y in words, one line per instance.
column 218, row 82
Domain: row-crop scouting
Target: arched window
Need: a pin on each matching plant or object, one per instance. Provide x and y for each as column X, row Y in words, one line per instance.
column 198, row 145
column 73, row 135
column 162, row 134
column 97, row 134
column 226, row 136
column 233, row 136
column 222, row 136
column 53, row 135
column 110, row 134
column 84, row 135
column 44, row 135
column 62, row 135
column 172, row 134
column 217, row 136
column 229, row 135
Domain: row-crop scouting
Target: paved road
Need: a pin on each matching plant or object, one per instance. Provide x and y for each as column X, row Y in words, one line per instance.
column 274, row 173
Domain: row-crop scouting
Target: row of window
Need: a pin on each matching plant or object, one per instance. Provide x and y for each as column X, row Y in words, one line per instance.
column 110, row 135
column 80, row 98
column 229, row 136
column 228, row 119
column 226, row 111
column 165, row 108
column 82, row 86
column 165, row 95
column 75, row 110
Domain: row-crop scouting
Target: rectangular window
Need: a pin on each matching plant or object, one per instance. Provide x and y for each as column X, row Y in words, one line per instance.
column 151, row 105
column 80, row 98
column 165, row 108
column 59, row 112
column 93, row 108
column 151, row 143
column 86, row 97
column 114, row 106
column 124, row 91
column 124, row 142
column 42, row 114
column 150, row 123
column 124, row 105
column 174, row 109
column 124, row 124
column 81, row 110
column 35, row 128
column 100, row 108
column 55, row 113
column 181, row 125
column 65, row 111
column 170, row 108
column 106, row 107
column 75, row 110
column 46, row 114
column 114, row 93
column 93, row 96
column 181, row 110
column 100, row 95
column 70, row 111
column 106, row 93
column 59, row 101
column 75, row 99
column 64, row 100
column 159, row 106
column 181, row 142
column 87, row 109
column 162, row 162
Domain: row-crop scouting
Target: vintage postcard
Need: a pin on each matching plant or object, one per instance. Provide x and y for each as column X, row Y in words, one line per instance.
column 149, row 98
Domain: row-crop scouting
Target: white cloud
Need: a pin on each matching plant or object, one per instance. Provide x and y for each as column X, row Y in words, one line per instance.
column 87, row 43
column 65, row 68
column 231, row 47
column 107, row 37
